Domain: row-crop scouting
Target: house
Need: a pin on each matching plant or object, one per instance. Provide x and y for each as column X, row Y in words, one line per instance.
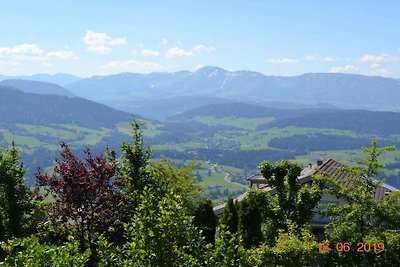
column 330, row 167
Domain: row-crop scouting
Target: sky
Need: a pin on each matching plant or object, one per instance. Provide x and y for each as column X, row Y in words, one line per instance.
column 281, row 38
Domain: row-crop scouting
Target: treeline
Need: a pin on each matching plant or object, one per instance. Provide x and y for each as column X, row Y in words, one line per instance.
column 360, row 121
column 318, row 142
column 35, row 109
column 243, row 159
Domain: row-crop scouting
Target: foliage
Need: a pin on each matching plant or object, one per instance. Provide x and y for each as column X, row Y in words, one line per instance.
column 230, row 217
column 250, row 223
column 293, row 203
column 362, row 218
column 16, row 207
column 205, row 220
column 226, row 251
column 289, row 250
column 30, row 252
column 159, row 232
column 135, row 158
column 85, row 192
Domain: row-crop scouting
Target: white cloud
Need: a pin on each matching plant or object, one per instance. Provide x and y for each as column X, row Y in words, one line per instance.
column 377, row 58
column 178, row 52
column 328, row 59
column 377, row 70
column 283, row 61
column 150, row 53
column 47, row 65
column 345, row 69
column 310, row 58
column 195, row 50
column 21, row 50
column 131, row 65
column 202, row 48
column 63, row 54
column 101, row 43
column 32, row 52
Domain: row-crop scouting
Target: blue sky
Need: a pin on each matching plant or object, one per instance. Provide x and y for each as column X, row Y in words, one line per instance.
column 98, row 37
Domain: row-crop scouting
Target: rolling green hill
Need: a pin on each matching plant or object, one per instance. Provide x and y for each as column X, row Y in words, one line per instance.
column 36, row 109
column 38, row 122
column 228, row 139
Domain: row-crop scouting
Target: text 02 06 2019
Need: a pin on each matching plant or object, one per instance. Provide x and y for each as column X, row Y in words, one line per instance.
column 361, row 247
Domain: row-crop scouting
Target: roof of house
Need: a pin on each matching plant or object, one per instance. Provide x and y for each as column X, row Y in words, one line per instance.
column 257, row 179
column 330, row 167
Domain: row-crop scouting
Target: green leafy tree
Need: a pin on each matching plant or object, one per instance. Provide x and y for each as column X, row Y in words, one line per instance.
column 226, row 251
column 30, row 252
column 362, row 218
column 290, row 249
column 205, row 220
column 293, row 203
column 160, row 232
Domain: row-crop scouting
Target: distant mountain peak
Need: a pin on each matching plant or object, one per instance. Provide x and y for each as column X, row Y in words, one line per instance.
column 210, row 71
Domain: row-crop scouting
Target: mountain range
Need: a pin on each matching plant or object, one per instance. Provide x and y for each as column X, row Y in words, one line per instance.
column 58, row 78
column 126, row 90
column 160, row 95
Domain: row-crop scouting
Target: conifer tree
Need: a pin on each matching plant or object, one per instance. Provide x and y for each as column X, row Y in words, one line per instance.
column 205, row 220
column 15, row 204
column 250, row 223
column 230, row 217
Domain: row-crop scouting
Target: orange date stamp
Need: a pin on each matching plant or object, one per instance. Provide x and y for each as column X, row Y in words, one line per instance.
column 361, row 247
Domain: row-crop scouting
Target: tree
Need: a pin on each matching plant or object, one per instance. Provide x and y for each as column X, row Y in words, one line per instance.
column 226, row 251
column 85, row 193
column 290, row 249
column 16, row 206
column 30, row 252
column 230, row 216
column 250, row 223
column 134, row 160
column 293, row 203
column 362, row 218
column 160, row 233
column 205, row 220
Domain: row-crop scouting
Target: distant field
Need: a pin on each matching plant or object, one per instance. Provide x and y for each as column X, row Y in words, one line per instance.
column 237, row 140
column 244, row 123
column 35, row 136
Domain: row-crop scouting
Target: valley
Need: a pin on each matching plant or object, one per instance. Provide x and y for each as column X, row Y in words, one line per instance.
column 228, row 140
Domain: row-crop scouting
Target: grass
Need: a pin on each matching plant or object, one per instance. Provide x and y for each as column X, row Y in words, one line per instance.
column 149, row 129
column 27, row 137
column 215, row 178
column 244, row 123
column 260, row 139
column 21, row 139
column 51, row 131
column 90, row 136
